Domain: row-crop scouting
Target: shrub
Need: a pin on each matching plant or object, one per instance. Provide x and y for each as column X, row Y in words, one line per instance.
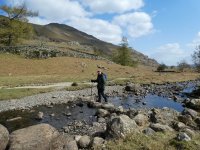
column 161, row 67
column 74, row 84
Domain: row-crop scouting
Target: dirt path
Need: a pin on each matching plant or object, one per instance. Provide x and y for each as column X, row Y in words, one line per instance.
column 52, row 85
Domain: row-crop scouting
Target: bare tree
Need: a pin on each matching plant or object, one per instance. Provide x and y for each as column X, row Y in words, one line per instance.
column 196, row 58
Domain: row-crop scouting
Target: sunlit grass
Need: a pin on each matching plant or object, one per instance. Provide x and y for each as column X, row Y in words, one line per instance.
column 6, row 94
column 16, row 71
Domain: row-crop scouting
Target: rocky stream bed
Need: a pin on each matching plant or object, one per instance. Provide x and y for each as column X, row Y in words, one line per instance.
column 72, row 120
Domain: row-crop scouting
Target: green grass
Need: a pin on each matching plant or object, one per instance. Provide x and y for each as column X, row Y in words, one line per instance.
column 159, row 141
column 17, row 71
column 6, row 94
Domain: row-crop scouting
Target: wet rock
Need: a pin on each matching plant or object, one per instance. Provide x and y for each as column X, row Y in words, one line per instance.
column 120, row 109
column 102, row 113
column 40, row 116
column 132, row 113
column 141, row 119
column 109, row 107
column 98, row 142
column 194, row 104
column 14, row 119
column 144, row 103
column 49, row 106
column 101, row 120
column 4, row 137
column 52, row 115
column 84, row 141
column 161, row 128
column 72, row 145
column 33, row 137
column 183, row 137
column 80, row 104
column 190, row 112
column 148, row 131
column 135, row 88
column 175, row 98
column 94, row 105
column 68, row 114
column 120, row 126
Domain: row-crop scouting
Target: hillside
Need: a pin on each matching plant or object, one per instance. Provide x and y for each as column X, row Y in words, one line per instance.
column 60, row 33
column 67, row 38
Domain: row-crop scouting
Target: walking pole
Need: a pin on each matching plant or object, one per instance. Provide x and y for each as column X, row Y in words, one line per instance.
column 91, row 89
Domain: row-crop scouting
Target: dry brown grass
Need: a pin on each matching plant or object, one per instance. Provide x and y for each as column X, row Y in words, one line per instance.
column 16, row 70
column 158, row 141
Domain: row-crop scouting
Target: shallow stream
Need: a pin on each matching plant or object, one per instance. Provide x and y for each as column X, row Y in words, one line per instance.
column 63, row 115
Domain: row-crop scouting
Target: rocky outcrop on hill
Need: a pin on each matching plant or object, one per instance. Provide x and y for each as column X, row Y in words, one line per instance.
column 36, row 51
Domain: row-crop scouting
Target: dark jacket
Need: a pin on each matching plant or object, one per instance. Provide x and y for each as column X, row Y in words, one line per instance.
column 101, row 81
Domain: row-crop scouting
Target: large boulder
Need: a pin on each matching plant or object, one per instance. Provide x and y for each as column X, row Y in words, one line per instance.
column 135, row 88
column 102, row 113
column 161, row 128
column 4, row 137
column 190, row 112
column 183, row 137
column 120, row 126
column 33, row 137
column 141, row 119
column 109, row 106
column 98, row 142
column 84, row 141
column 163, row 116
column 194, row 104
column 148, row 131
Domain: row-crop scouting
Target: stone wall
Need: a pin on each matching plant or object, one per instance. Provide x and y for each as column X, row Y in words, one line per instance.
column 33, row 51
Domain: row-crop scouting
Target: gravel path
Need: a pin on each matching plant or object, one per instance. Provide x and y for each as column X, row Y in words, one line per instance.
column 56, row 97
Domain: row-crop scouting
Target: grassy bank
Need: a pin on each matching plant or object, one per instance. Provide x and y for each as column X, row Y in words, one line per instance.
column 158, row 141
column 16, row 71
column 6, row 94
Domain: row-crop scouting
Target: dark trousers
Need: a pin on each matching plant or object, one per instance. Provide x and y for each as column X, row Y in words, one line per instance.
column 101, row 93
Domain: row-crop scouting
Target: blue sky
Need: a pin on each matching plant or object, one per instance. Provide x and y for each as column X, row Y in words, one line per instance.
column 167, row 30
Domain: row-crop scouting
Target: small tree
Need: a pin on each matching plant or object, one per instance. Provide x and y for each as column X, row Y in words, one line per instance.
column 161, row 67
column 196, row 58
column 183, row 65
column 15, row 25
column 123, row 55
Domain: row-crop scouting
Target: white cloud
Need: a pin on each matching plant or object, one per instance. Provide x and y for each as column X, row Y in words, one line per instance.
column 195, row 42
column 76, row 14
column 113, row 6
column 171, row 54
column 54, row 10
column 136, row 24
column 38, row 20
column 101, row 29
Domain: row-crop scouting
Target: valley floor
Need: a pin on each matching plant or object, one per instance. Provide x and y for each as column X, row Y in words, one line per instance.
column 18, row 75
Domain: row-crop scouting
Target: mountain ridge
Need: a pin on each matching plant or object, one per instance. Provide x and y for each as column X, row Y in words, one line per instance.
column 71, row 38
column 56, row 32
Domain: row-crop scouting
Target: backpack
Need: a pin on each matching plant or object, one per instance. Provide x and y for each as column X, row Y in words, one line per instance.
column 105, row 77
